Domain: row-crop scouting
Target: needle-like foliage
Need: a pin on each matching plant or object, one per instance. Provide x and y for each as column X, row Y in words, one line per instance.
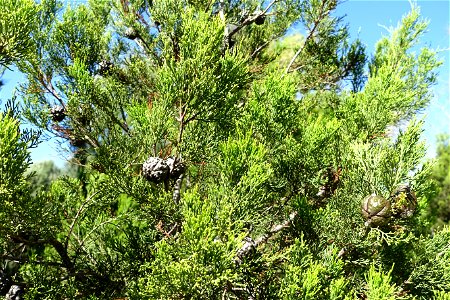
column 218, row 157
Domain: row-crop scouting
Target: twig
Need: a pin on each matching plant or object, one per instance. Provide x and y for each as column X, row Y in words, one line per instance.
column 80, row 210
column 167, row 234
column 252, row 244
column 172, row 229
column 259, row 49
column 311, row 32
column 38, row 262
column 250, row 19
column 247, row 21
column 49, row 87
column 57, row 245
column 111, row 220
column 299, row 51
column 122, row 124
column 177, row 189
column 62, row 251
column 82, row 248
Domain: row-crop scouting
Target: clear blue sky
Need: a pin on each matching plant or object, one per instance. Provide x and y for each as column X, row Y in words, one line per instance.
column 364, row 18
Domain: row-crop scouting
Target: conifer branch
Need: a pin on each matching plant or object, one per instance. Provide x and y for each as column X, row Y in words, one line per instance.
column 321, row 15
column 26, row 260
column 259, row 49
column 299, row 51
column 247, row 21
column 57, row 245
column 62, row 251
column 80, row 210
column 47, row 84
column 250, row 244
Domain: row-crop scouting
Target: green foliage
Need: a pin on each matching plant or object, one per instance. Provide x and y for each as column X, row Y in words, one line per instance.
column 200, row 261
column 379, row 285
column 310, row 276
column 14, row 158
column 244, row 174
column 399, row 80
column 16, row 208
column 264, row 147
column 431, row 270
column 439, row 295
column 17, row 22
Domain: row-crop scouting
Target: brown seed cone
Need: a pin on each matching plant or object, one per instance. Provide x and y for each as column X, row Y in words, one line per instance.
column 155, row 169
column 376, row 210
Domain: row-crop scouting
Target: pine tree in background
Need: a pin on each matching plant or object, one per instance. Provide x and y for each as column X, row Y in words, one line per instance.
column 219, row 159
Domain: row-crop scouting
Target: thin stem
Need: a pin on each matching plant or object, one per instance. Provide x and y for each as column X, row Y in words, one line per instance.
column 80, row 210
column 251, row 19
column 57, row 245
column 47, row 84
column 252, row 244
column 311, row 32
column 302, row 47
column 98, row 226
column 259, row 49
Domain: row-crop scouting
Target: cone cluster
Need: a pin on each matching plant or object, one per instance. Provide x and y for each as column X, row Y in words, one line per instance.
column 104, row 67
column 378, row 210
column 404, row 201
column 130, row 33
column 58, row 113
column 156, row 169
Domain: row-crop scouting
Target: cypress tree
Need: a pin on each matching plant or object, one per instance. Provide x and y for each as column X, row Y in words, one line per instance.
column 219, row 158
